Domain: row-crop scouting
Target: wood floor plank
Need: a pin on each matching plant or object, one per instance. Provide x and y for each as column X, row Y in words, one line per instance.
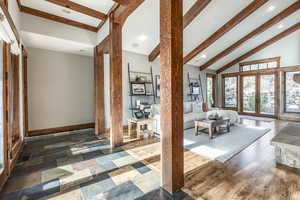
column 250, row 175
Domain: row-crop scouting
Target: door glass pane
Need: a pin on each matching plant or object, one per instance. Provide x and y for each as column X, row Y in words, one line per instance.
column 254, row 67
column 267, row 94
column 210, row 91
column 292, row 93
column 230, row 92
column 246, row 68
column 249, row 93
column 272, row 64
column 263, row 66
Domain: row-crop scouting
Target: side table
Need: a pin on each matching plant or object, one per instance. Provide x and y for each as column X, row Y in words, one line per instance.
column 137, row 128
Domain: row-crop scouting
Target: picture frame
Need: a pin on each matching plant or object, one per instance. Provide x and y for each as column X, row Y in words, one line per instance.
column 139, row 115
column 196, row 90
column 138, row 88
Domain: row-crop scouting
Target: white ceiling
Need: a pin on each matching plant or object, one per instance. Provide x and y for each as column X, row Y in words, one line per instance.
column 56, row 44
column 145, row 22
column 102, row 6
column 141, row 30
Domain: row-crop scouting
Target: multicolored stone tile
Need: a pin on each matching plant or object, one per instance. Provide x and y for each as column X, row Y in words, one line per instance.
column 98, row 185
column 79, row 166
column 108, row 166
column 127, row 160
column 55, row 173
column 19, row 182
column 148, row 181
column 84, row 164
column 141, row 167
column 74, row 194
column 75, row 179
column 123, row 174
column 69, row 160
column 124, row 191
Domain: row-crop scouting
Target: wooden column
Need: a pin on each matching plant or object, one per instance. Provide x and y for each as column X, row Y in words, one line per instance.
column 116, row 101
column 99, row 91
column 171, row 71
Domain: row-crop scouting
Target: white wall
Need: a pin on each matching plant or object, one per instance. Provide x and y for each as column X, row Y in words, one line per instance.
column 140, row 63
column 51, row 28
column 61, row 89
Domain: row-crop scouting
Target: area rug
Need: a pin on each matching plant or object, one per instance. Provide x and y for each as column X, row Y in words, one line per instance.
column 223, row 146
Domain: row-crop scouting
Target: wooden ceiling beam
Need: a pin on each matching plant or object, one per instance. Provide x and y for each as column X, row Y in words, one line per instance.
column 104, row 46
column 56, row 18
column 122, row 2
column 282, row 15
column 10, row 20
column 269, row 42
column 191, row 14
column 123, row 11
column 252, row 7
column 109, row 12
column 79, row 8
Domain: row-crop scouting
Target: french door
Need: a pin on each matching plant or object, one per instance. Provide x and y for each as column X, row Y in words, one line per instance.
column 259, row 94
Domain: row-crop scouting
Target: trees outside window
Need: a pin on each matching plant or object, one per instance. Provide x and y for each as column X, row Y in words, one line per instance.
column 230, row 92
column 210, row 89
column 292, row 93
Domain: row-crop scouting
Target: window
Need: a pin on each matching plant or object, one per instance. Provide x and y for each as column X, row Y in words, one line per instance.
column 211, row 86
column 230, row 92
column 269, row 63
column 292, row 93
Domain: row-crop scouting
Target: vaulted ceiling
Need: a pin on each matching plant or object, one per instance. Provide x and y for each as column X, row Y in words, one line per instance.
column 141, row 30
column 84, row 14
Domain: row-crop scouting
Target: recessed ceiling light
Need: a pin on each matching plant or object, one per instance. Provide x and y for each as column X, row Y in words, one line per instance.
column 142, row 38
column 280, row 26
column 203, row 56
column 271, row 8
column 66, row 11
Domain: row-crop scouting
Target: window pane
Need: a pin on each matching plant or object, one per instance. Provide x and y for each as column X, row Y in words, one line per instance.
column 292, row 93
column 249, row 93
column 267, row 94
column 230, row 92
column 272, row 64
column 210, row 100
column 246, row 68
column 254, row 67
column 263, row 66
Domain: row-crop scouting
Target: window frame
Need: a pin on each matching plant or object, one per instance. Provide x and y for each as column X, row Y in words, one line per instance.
column 284, row 91
column 258, row 62
column 224, row 76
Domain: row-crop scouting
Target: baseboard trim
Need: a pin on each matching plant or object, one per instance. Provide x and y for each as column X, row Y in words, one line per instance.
column 292, row 119
column 125, row 128
column 60, row 129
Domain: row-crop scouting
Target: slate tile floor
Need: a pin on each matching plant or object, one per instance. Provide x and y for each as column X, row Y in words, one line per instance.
column 78, row 165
